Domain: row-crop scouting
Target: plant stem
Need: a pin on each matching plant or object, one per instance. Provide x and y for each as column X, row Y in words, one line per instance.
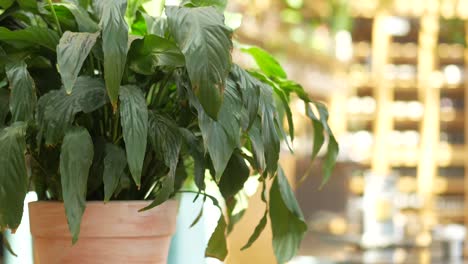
column 55, row 16
column 116, row 126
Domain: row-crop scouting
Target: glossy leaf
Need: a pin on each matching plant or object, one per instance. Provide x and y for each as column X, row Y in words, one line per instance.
column 267, row 63
column 217, row 246
column 56, row 110
column 72, row 51
column 4, row 105
column 32, row 35
column 206, row 43
column 134, row 117
column 236, row 174
column 270, row 137
column 255, row 135
column 115, row 163
column 83, row 20
column 166, row 140
column 114, row 45
column 223, row 136
column 147, row 54
column 287, row 222
column 219, row 4
column 23, row 92
column 13, row 175
column 76, row 158
column 250, row 89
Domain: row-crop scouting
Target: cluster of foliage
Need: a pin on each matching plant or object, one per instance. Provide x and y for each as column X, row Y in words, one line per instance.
column 99, row 100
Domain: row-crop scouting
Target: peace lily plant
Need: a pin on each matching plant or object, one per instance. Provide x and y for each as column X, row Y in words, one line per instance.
column 99, row 100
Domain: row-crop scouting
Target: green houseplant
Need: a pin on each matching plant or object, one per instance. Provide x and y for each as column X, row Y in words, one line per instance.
column 101, row 101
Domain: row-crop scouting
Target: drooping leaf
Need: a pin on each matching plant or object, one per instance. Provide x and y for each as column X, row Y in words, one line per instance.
column 219, row 4
column 234, row 177
column 284, row 99
column 13, row 175
column 95, row 179
column 115, row 163
column 217, row 246
column 134, row 117
column 166, row 140
column 33, row 35
column 56, row 110
column 4, row 105
column 270, row 137
column 114, row 45
column 255, row 135
column 333, row 149
column 23, row 92
column 83, row 20
column 319, row 137
column 287, row 222
column 250, row 89
column 28, row 4
column 195, row 148
column 153, row 51
column 267, row 63
column 72, row 51
column 76, row 158
column 206, row 43
column 257, row 232
column 223, row 136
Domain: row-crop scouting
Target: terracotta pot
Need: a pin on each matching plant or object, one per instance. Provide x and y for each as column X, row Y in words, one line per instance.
column 110, row 233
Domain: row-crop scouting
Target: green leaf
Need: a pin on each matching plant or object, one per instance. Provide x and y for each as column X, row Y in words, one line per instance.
column 155, row 25
column 4, row 4
column 134, row 116
column 114, row 45
column 83, row 20
column 72, row 51
column 270, row 137
column 13, row 175
column 32, row 36
column 267, row 63
column 195, row 149
column 285, row 103
column 76, row 158
column 56, row 110
column 23, row 91
column 147, row 54
column 132, row 7
column 333, row 149
column 319, row 137
column 250, row 89
column 287, row 222
column 257, row 232
column 255, row 135
column 115, row 163
column 236, row 208
column 219, row 4
column 206, row 43
column 166, row 140
column 4, row 105
column 28, row 4
column 236, row 174
column 217, row 246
